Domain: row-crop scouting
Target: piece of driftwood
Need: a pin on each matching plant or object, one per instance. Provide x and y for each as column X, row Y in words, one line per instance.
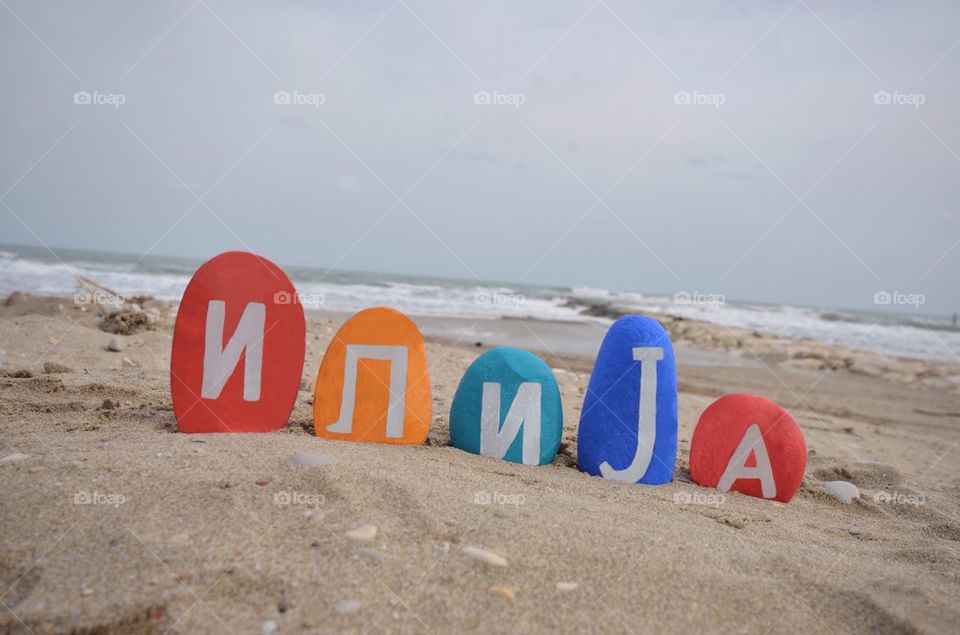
column 104, row 298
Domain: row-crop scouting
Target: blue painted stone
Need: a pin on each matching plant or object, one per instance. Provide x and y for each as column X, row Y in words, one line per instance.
column 632, row 394
column 526, row 390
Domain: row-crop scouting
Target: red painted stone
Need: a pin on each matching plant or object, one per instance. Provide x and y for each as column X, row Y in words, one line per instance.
column 759, row 433
column 248, row 309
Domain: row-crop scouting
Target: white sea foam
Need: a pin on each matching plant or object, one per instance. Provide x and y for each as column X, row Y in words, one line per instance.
column 37, row 271
column 59, row 277
column 924, row 338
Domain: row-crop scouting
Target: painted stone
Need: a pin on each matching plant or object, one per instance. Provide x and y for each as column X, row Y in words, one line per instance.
column 238, row 347
column 374, row 384
column 508, row 406
column 750, row 445
column 628, row 424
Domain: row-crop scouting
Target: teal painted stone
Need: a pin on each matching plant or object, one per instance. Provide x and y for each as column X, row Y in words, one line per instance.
column 508, row 406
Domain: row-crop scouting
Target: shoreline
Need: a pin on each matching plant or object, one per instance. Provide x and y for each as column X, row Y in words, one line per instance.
column 696, row 342
column 908, row 334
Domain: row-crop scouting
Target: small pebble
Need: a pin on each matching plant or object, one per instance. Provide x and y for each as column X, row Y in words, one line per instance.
column 567, row 586
column 128, row 363
column 373, row 553
column 16, row 457
column 309, row 459
column 365, row 532
column 442, row 547
column 485, row 556
column 268, row 627
column 844, row 491
column 116, row 344
column 347, row 606
column 504, row 591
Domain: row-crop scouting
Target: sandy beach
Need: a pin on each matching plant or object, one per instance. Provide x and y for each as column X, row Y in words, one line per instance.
column 113, row 522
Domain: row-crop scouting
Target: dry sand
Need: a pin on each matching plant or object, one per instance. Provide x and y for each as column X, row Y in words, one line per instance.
column 114, row 522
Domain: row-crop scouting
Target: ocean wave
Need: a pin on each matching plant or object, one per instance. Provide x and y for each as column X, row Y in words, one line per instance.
column 36, row 275
column 889, row 334
column 906, row 336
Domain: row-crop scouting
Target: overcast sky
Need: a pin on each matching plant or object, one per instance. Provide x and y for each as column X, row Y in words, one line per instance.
column 781, row 180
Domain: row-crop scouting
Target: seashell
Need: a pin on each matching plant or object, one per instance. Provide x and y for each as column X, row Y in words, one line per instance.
column 347, row 606
column 365, row 532
column 504, row 591
column 485, row 556
column 842, row 490
column 309, row 459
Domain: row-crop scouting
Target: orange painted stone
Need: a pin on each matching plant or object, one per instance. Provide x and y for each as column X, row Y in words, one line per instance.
column 238, row 347
column 374, row 384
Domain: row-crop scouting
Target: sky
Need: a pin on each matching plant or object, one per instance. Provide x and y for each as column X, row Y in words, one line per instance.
column 804, row 152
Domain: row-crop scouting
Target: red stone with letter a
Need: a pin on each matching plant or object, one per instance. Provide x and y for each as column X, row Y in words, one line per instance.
column 238, row 347
column 750, row 445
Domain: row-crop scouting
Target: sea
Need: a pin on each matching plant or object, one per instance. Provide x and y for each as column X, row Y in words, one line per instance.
column 906, row 334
